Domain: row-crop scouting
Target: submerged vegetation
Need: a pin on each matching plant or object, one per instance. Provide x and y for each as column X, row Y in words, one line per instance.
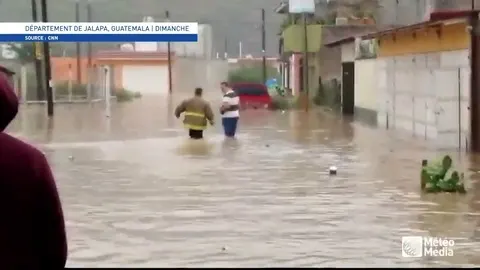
column 439, row 176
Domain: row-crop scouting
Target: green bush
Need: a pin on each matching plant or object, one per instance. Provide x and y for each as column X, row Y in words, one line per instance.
column 123, row 94
column 329, row 94
column 251, row 74
column 439, row 176
column 280, row 102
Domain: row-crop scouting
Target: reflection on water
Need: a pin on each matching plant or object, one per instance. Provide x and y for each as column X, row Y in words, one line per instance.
column 138, row 192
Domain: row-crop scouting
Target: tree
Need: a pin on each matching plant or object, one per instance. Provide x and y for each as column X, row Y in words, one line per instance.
column 25, row 52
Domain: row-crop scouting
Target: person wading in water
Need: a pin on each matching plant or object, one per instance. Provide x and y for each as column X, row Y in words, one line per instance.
column 229, row 110
column 197, row 112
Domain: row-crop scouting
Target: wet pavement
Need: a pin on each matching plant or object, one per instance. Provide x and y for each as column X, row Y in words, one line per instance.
column 136, row 192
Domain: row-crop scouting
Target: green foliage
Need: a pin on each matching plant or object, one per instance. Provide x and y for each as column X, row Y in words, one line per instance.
column 80, row 90
column 251, row 74
column 439, row 176
column 281, row 102
column 25, row 51
column 328, row 94
column 123, row 94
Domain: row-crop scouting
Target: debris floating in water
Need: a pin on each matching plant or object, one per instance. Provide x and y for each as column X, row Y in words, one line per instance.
column 332, row 170
column 224, row 248
column 71, row 158
column 267, row 145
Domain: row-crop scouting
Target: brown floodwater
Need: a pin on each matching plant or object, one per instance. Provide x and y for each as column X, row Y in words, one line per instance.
column 137, row 192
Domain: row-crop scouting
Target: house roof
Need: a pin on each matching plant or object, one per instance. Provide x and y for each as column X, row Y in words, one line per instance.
column 340, row 34
column 341, row 41
column 436, row 18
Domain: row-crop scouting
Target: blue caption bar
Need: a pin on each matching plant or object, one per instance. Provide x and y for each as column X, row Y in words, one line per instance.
column 99, row 38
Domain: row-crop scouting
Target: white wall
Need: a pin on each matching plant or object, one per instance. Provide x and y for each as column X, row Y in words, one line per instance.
column 293, row 74
column 366, row 84
column 426, row 95
column 348, row 52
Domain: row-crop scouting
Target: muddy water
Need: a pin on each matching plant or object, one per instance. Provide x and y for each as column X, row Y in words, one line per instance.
column 136, row 192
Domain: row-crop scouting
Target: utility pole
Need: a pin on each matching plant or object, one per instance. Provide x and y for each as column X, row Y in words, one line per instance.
column 305, row 61
column 169, row 52
column 264, row 59
column 225, row 49
column 37, row 53
column 89, row 55
column 48, row 71
column 77, row 45
column 396, row 12
column 240, row 50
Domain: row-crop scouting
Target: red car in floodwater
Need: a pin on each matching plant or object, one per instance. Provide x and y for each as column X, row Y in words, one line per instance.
column 252, row 95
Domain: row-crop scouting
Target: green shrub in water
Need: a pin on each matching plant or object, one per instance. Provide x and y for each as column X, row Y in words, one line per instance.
column 126, row 95
column 439, row 176
column 280, row 102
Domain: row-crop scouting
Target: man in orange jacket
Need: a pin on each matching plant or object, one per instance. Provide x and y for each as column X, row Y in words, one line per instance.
column 197, row 111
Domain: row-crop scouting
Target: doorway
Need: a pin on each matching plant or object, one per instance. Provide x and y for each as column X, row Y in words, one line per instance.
column 348, row 88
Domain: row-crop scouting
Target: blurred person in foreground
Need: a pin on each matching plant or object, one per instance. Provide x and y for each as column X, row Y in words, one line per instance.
column 32, row 227
column 197, row 112
column 229, row 110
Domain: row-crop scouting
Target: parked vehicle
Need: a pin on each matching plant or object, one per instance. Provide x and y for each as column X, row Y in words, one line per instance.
column 252, row 95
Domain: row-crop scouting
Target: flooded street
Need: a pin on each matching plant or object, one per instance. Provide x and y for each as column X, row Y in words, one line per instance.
column 137, row 192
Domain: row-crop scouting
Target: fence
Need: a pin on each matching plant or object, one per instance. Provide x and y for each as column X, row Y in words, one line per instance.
column 188, row 73
column 68, row 91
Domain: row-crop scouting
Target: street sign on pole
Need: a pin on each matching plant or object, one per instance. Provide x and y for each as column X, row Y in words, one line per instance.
column 301, row 6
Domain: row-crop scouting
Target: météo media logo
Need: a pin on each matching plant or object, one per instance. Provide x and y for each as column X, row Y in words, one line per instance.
column 418, row 246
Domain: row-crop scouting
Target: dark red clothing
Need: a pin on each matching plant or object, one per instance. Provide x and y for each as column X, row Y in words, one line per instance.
column 32, row 227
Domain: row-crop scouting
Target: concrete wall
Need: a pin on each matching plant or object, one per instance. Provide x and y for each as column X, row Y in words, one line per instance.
column 348, row 52
column 426, row 95
column 329, row 62
column 366, row 84
column 294, row 73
